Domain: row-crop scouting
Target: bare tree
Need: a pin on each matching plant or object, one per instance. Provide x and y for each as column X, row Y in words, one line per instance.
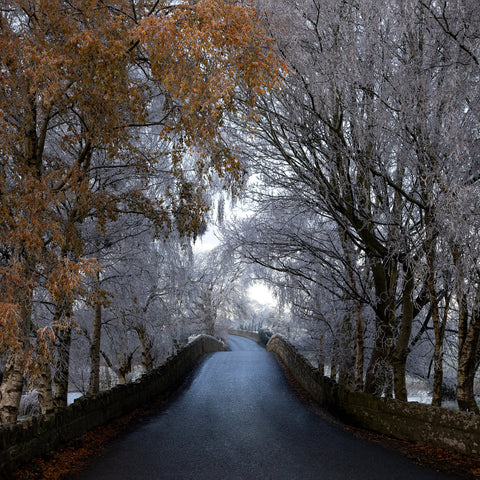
column 375, row 133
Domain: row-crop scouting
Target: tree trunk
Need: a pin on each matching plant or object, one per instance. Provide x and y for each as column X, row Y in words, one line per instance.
column 60, row 379
column 374, row 368
column 346, row 355
column 94, row 383
column 401, row 348
column 45, row 394
column 13, row 375
column 438, row 325
column 467, row 366
column 388, row 390
column 468, row 337
column 146, row 344
column 359, row 348
column 437, row 373
column 378, row 369
column 321, row 354
column 351, row 257
column 334, row 361
column 125, row 368
column 376, row 378
column 438, row 358
column 12, row 386
column 439, row 330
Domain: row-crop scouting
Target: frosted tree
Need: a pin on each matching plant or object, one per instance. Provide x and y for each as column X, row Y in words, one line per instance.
column 372, row 129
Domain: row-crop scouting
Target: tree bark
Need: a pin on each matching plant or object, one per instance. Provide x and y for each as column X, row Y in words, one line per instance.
column 146, row 344
column 401, row 348
column 94, row 382
column 359, row 348
column 12, row 386
column 13, row 375
column 321, row 354
column 62, row 367
column 351, row 258
column 346, row 353
column 124, row 368
column 467, row 366
column 468, row 339
column 45, row 393
column 334, row 361
column 438, row 325
column 439, row 330
column 376, row 377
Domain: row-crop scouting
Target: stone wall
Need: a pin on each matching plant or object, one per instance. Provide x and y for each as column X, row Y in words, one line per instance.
column 22, row 441
column 244, row 333
column 412, row 421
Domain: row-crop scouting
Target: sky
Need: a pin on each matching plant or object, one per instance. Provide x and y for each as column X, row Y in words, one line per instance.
column 262, row 294
column 206, row 242
column 258, row 291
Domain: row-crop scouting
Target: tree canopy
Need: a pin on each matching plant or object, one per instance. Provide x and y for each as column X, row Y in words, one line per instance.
column 109, row 108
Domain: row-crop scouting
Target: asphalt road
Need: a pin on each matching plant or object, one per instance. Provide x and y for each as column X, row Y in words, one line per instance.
column 237, row 417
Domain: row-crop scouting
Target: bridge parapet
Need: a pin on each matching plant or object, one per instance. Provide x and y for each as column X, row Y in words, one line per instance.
column 411, row 421
column 245, row 333
column 22, row 441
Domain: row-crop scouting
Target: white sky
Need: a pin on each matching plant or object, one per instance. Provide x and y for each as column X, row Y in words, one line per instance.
column 262, row 294
column 258, row 291
column 206, row 242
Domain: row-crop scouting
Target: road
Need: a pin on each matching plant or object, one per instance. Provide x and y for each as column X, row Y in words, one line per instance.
column 237, row 417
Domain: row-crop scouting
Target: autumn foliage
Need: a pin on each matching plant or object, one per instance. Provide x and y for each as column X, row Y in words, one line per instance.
column 83, row 83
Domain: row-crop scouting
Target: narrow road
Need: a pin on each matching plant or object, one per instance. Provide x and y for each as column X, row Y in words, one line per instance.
column 237, row 417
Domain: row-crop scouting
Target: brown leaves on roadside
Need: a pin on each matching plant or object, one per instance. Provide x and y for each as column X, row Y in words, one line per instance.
column 61, row 463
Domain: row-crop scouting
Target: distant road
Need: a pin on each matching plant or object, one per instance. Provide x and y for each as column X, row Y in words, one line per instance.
column 237, row 417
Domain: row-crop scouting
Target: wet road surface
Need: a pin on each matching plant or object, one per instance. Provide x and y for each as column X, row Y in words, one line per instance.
column 237, row 417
